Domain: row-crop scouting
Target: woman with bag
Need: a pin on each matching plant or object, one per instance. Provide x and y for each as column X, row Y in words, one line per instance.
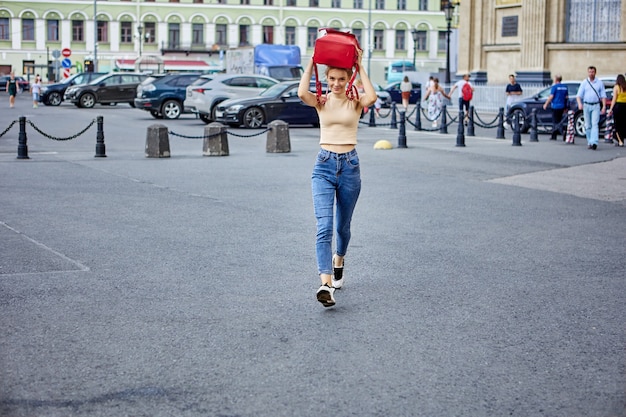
column 336, row 178
column 618, row 109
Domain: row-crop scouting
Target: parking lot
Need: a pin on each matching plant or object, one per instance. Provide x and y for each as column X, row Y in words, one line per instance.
column 484, row 280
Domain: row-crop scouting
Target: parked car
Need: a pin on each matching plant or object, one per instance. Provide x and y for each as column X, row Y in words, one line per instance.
column 22, row 83
column 204, row 94
column 163, row 95
column 523, row 108
column 52, row 94
column 396, row 95
column 113, row 88
column 383, row 95
column 279, row 102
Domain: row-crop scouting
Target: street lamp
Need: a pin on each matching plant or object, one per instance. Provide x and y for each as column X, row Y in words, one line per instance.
column 140, row 31
column 414, row 33
column 449, row 11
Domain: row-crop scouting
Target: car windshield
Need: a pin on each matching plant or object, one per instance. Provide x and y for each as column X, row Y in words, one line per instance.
column 275, row 90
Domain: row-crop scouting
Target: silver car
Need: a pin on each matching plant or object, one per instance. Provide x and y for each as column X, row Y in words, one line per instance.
column 204, row 94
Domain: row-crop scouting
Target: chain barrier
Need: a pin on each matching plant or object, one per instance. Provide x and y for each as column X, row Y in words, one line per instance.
column 481, row 123
column 8, row 128
column 60, row 139
column 219, row 134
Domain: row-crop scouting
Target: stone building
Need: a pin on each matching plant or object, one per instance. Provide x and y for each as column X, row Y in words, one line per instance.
column 537, row 39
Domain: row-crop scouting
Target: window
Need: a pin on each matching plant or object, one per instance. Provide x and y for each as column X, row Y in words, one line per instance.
column 311, row 37
column 126, row 32
column 28, row 29
column 4, row 28
column 197, row 34
column 401, row 4
column 244, row 1
column 380, row 5
column 422, row 5
column 220, row 34
column 78, row 31
column 173, row 35
column 292, row 3
column 421, row 40
column 358, row 34
column 314, row 3
column 593, row 21
column 103, row 31
column 290, row 35
column 198, row 1
column 441, row 41
column 243, row 35
column 268, row 2
column 149, row 30
column 400, row 39
column 379, row 39
column 336, row 4
column 52, row 27
column 268, row 34
column 357, row 4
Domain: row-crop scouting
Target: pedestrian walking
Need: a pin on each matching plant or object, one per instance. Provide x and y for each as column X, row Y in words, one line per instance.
column 558, row 101
column 35, row 88
column 618, row 109
column 11, row 88
column 336, row 177
column 591, row 98
column 405, row 91
column 434, row 96
column 466, row 94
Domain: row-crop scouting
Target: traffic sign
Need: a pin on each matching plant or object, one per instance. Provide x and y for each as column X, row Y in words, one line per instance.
column 66, row 63
column 66, row 52
column 66, row 73
column 56, row 54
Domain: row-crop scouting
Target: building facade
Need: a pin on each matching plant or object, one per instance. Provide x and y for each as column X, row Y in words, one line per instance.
column 33, row 32
column 537, row 39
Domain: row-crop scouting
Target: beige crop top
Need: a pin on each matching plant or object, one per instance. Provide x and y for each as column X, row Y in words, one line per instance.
column 339, row 121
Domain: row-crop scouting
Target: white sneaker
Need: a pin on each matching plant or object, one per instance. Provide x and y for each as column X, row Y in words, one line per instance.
column 337, row 279
column 325, row 296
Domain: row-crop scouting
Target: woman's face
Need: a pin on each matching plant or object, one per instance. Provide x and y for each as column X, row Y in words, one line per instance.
column 337, row 80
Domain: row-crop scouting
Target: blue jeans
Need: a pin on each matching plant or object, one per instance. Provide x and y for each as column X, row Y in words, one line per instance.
column 591, row 113
column 336, row 179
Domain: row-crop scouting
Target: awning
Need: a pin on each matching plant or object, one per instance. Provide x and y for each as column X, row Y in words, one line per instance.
column 168, row 65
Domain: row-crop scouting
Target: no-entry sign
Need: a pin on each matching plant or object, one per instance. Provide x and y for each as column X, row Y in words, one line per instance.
column 66, row 52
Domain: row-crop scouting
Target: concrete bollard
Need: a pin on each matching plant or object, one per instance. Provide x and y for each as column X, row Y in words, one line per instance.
column 278, row 137
column 215, row 140
column 157, row 141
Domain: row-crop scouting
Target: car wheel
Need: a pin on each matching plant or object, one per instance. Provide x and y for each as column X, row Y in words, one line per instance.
column 579, row 125
column 54, row 99
column 87, row 100
column 171, row 109
column 205, row 118
column 253, row 118
column 156, row 114
column 521, row 118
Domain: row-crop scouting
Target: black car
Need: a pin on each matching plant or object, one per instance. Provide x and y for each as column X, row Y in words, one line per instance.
column 163, row 95
column 22, row 83
column 523, row 108
column 52, row 94
column 113, row 88
column 279, row 102
column 396, row 95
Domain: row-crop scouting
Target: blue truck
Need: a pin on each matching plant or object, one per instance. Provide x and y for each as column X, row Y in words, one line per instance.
column 282, row 62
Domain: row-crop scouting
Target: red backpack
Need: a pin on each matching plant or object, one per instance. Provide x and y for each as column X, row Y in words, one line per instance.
column 467, row 92
column 337, row 49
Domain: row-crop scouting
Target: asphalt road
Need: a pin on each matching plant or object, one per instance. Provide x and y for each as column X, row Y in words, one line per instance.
column 485, row 280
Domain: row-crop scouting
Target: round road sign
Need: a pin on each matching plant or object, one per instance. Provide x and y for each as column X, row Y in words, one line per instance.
column 56, row 54
column 66, row 52
column 66, row 63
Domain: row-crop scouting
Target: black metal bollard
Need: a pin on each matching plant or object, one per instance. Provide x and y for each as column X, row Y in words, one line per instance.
column 394, row 121
column 444, row 120
column 402, row 131
column 22, row 147
column 534, row 137
column 372, row 111
column 100, row 148
column 418, row 117
column 470, row 123
column 460, row 131
column 517, row 136
column 500, row 129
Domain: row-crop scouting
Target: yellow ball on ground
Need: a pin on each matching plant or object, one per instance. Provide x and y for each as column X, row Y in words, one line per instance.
column 383, row 144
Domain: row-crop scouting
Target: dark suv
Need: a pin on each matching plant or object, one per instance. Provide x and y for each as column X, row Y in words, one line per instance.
column 163, row 95
column 52, row 94
column 113, row 88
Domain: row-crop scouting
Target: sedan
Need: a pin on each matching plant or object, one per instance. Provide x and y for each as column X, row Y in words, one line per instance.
column 280, row 102
column 396, row 95
column 523, row 108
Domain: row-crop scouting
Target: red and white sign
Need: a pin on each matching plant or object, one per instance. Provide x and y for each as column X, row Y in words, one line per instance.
column 66, row 73
column 66, row 52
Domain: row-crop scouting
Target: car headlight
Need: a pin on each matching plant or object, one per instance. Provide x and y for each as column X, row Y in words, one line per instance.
column 234, row 109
